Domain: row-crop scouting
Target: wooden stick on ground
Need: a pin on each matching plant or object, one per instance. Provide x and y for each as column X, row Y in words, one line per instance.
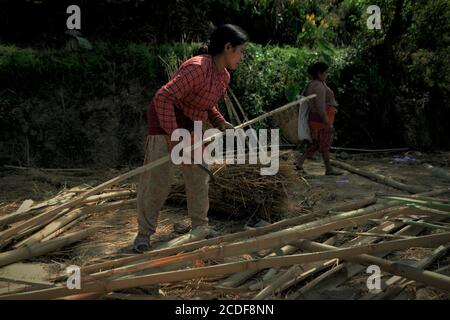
column 378, row 177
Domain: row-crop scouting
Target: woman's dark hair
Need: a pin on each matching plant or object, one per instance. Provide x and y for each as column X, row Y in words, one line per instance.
column 221, row 36
column 317, row 67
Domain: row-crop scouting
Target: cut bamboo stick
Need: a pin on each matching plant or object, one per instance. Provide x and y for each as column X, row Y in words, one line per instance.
column 371, row 150
column 378, row 177
column 65, row 228
column 313, row 283
column 237, row 279
column 239, row 105
column 39, row 249
column 370, row 234
column 51, row 227
column 180, row 275
column 270, row 289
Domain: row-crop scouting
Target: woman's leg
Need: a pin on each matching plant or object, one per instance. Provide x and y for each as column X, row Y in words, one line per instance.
column 325, row 140
column 196, row 181
column 154, row 186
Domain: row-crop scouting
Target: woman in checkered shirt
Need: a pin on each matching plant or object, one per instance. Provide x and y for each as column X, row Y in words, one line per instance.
column 191, row 95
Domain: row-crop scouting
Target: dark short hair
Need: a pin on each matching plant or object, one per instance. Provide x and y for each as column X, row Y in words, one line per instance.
column 222, row 35
column 317, row 67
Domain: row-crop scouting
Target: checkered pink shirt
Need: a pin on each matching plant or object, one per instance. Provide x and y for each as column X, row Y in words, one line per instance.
column 193, row 91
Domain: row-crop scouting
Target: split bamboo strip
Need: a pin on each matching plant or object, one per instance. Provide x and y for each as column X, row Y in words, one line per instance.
column 378, row 177
column 227, row 268
column 79, row 199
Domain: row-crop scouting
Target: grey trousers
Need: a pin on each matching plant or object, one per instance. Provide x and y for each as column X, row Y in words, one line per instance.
column 154, row 187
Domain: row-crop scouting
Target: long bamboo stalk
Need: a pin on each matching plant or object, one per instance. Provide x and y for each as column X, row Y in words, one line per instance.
column 378, row 177
column 180, row 275
column 395, row 284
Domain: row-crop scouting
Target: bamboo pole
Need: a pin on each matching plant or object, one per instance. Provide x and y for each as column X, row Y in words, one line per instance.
column 313, row 283
column 378, row 177
column 43, row 248
column 64, row 229
column 239, row 278
column 370, row 150
column 370, row 234
column 227, row 268
column 395, row 284
column 79, row 199
column 238, row 104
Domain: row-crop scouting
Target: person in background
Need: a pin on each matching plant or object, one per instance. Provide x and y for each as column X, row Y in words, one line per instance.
column 191, row 95
column 321, row 117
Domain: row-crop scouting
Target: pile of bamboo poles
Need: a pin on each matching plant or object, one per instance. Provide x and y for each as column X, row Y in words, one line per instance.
column 293, row 255
column 31, row 231
column 241, row 191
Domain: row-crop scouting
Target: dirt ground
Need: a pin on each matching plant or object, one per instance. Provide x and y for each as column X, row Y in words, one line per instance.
column 315, row 192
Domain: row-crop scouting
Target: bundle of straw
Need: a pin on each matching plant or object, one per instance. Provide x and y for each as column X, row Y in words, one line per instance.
column 241, row 191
